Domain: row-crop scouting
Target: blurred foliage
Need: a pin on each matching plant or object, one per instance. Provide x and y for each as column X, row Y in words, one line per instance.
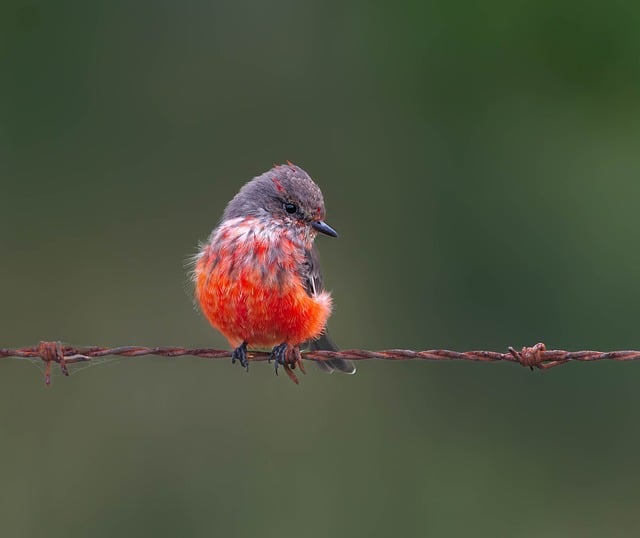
column 480, row 161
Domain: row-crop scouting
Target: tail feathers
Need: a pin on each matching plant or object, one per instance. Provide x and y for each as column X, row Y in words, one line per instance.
column 341, row 365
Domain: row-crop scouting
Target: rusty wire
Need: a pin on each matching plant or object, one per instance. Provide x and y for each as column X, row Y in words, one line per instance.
column 537, row 356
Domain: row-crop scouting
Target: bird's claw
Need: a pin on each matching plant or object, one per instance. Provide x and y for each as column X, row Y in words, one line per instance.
column 240, row 354
column 279, row 355
column 288, row 357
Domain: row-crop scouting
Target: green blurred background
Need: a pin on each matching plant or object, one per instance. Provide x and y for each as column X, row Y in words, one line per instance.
column 480, row 161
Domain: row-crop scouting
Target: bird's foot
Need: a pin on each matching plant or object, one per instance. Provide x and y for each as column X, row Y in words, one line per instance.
column 240, row 354
column 287, row 356
column 279, row 355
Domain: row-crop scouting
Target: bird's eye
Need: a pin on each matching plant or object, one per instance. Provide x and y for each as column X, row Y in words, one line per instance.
column 290, row 208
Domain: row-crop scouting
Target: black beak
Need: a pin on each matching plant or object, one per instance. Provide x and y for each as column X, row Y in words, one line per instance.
column 324, row 228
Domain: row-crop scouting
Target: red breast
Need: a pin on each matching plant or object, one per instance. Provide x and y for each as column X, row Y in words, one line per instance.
column 249, row 287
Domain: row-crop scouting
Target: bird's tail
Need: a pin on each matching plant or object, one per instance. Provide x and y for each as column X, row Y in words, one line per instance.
column 341, row 365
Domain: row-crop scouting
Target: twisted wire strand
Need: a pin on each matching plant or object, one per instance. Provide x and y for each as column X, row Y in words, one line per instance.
column 537, row 356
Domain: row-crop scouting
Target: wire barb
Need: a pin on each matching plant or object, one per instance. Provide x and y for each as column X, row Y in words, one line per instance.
column 537, row 356
column 530, row 356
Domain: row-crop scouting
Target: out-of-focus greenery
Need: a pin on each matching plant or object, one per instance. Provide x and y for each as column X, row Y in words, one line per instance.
column 480, row 161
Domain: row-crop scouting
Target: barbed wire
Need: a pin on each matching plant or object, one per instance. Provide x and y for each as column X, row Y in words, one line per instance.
column 537, row 356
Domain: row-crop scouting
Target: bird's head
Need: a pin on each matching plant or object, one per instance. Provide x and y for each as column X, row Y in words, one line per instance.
column 285, row 194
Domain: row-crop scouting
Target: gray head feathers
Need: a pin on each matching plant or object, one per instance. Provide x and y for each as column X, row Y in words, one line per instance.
column 286, row 191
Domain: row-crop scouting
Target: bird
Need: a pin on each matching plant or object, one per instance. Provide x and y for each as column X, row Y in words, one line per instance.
column 257, row 277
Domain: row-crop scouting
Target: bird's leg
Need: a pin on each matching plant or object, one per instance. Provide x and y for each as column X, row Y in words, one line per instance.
column 288, row 356
column 240, row 354
column 279, row 355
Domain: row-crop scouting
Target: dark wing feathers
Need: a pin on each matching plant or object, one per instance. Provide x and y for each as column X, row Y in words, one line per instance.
column 312, row 278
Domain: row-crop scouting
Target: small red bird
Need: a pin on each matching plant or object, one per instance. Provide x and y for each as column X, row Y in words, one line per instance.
column 258, row 278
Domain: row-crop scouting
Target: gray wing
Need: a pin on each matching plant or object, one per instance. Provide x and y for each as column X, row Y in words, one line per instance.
column 312, row 278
